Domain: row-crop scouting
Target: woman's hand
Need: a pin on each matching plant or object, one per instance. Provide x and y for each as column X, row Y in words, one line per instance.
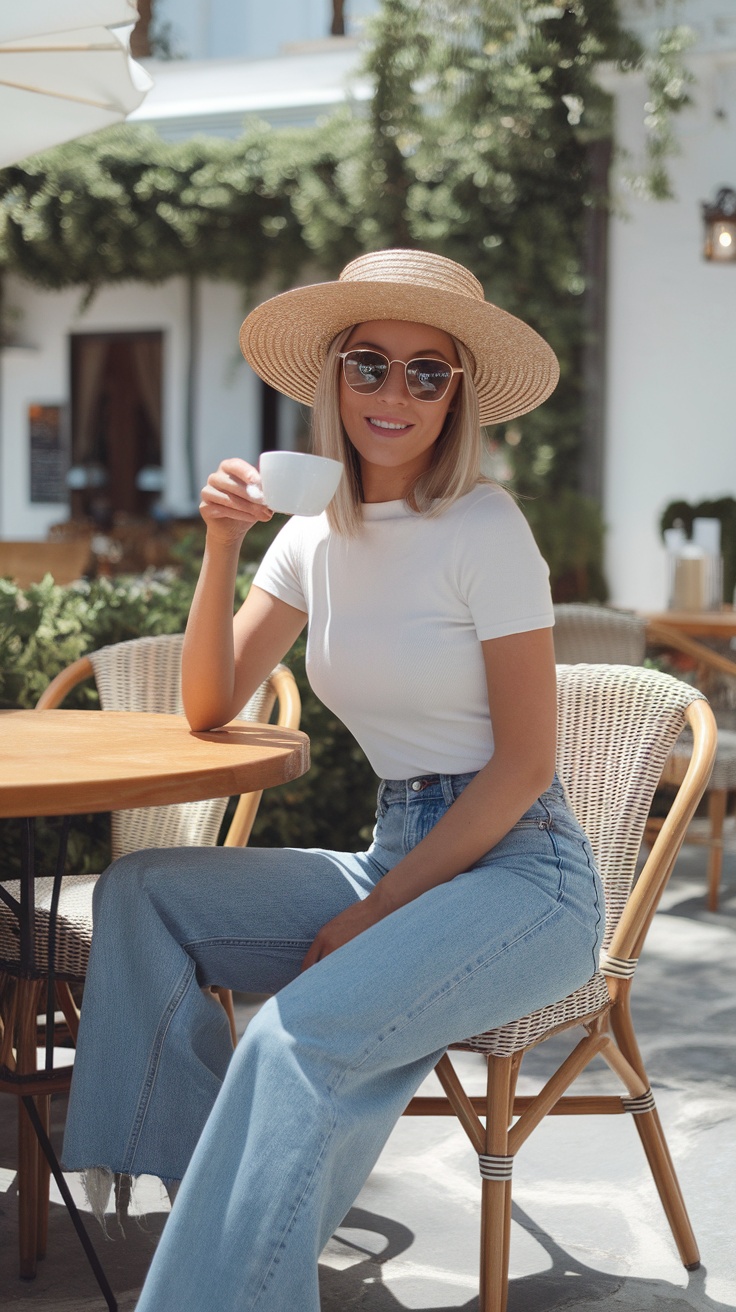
column 342, row 928
column 226, row 506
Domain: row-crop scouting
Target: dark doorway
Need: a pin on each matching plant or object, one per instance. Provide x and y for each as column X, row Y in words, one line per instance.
column 115, row 423
column 269, row 418
column 284, row 423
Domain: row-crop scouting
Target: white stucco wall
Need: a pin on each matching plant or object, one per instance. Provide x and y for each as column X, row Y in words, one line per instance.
column 671, row 412
column 228, row 401
column 226, row 408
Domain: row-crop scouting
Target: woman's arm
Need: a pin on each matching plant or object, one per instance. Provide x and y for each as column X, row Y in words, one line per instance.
column 522, row 698
column 225, row 659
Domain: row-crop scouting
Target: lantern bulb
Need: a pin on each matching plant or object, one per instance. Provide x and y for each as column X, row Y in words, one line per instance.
column 725, row 239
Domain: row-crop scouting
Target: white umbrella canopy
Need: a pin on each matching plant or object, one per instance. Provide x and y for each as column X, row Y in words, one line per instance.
column 65, row 71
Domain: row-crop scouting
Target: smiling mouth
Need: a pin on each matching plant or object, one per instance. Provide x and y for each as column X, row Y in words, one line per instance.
column 384, row 423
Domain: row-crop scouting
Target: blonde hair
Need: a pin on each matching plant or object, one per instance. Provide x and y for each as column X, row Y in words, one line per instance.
column 456, row 455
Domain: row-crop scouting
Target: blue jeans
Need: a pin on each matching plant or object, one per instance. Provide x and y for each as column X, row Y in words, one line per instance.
column 278, row 1138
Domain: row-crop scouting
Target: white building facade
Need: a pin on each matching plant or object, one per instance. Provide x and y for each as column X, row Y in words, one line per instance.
column 70, row 371
column 670, row 426
column 670, row 432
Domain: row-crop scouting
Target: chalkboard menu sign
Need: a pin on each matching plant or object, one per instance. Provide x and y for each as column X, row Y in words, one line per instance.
column 48, row 450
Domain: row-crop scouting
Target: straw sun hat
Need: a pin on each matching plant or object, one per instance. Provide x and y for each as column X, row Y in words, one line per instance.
column 286, row 338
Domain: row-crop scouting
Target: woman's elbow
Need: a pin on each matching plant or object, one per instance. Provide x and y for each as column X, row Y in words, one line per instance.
column 533, row 772
column 541, row 766
column 200, row 724
column 203, row 717
column 545, row 775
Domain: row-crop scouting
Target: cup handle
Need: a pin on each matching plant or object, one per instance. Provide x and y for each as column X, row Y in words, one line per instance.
column 255, row 493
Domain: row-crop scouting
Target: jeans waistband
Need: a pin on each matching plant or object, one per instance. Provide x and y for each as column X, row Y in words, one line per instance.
column 430, row 786
column 435, row 786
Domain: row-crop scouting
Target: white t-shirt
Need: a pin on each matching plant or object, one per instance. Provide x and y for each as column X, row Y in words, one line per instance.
column 396, row 616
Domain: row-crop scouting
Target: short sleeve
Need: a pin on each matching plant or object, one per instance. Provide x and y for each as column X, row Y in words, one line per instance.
column 279, row 572
column 500, row 572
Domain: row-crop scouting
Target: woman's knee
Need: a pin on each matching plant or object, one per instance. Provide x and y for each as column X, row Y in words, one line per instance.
column 128, row 881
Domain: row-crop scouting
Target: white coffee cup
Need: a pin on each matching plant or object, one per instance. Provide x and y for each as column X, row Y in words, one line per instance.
column 295, row 483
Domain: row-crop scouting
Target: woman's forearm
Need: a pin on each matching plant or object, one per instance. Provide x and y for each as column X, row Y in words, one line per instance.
column 208, row 662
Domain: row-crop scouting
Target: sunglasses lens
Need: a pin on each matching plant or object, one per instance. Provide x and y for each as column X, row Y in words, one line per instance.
column 365, row 371
column 428, row 380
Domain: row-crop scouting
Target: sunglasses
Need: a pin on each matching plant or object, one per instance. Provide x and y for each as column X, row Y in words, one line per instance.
column 426, row 379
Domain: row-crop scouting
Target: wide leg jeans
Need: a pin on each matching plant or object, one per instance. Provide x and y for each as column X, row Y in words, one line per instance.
column 277, row 1139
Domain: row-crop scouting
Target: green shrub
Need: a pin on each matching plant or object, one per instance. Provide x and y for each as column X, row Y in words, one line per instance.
column 569, row 530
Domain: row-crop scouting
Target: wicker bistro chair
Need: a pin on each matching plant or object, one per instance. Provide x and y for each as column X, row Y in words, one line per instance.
column 140, row 675
column 616, row 728
column 715, row 675
column 598, row 634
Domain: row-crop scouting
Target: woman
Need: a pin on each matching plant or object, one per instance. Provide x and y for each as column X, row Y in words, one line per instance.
column 430, row 635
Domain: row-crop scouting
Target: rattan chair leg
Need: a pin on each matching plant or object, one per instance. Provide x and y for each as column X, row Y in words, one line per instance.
column 615, row 1060
column 457, row 1101
column 495, row 1220
column 44, row 1176
column 69, row 1007
column 717, row 799
column 654, row 1143
column 668, row 1187
column 9, row 991
column 27, row 1196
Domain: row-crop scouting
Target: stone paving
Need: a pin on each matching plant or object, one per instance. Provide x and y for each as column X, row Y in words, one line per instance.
column 589, row 1234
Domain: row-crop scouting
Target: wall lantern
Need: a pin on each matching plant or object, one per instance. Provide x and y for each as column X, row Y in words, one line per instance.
column 719, row 218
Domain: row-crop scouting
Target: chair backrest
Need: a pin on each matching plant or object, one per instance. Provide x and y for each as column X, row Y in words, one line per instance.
column 598, row 634
column 616, row 726
column 144, row 674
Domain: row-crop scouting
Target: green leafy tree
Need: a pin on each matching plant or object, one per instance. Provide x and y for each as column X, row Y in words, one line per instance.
column 124, row 204
column 483, row 129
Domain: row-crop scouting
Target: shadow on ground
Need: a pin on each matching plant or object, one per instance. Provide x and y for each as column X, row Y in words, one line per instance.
column 566, row 1283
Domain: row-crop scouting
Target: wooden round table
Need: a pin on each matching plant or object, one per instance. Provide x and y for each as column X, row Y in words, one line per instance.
column 698, row 623
column 73, row 762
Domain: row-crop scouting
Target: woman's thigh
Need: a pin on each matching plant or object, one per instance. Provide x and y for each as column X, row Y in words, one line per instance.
column 246, row 916
column 516, row 933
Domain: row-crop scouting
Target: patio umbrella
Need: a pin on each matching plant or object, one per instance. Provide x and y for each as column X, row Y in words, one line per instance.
column 65, row 70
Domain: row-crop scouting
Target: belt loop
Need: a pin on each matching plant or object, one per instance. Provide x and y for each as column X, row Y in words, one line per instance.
column 448, row 792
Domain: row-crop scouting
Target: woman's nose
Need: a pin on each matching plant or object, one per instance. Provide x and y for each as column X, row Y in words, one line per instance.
column 395, row 387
